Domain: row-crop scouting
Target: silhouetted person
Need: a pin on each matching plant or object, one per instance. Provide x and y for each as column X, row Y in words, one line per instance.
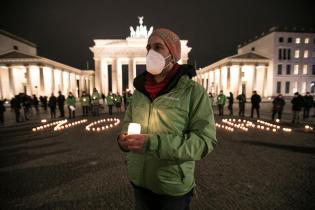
column 231, row 101
column 241, row 104
column 45, row 102
column 52, row 105
column 297, row 104
column 61, row 104
column 16, row 106
column 255, row 99
column 278, row 104
column 35, row 103
column 308, row 103
column 2, row 110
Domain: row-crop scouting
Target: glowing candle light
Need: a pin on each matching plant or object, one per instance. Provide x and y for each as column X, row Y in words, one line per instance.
column 134, row 128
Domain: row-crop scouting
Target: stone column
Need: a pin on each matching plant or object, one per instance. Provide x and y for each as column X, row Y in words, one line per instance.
column 69, row 83
column 239, row 82
column 41, row 81
column 264, row 83
column 220, row 79
column 228, row 80
column 11, row 81
column 131, row 73
column 89, row 85
column 209, row 81
column 62, row 88
column 53, row 80
column 98, row 74
column 74, row 84
column 119, row 77
column 114, row 76
column 28, row 80
column 254, row 79
column 86, row 84
column 104, row 77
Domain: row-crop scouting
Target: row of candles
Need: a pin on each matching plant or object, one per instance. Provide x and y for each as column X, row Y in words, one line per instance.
column 42, row 127
column 63, row 125
column 246, row 124
column 92, row 126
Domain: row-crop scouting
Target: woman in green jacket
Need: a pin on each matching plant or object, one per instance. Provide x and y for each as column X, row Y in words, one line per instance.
column 71, row 101
column 177, row 127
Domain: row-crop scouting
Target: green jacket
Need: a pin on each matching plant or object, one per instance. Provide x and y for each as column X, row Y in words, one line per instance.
column 110, row 100
column 118, row 99
column 221, row 99
column 71, row 101
column 85, row 101
column 181, row 130
column 95, row 98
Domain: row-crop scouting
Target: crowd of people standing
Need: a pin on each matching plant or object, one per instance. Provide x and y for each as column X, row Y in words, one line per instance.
column 299, row 104
column 24, row 105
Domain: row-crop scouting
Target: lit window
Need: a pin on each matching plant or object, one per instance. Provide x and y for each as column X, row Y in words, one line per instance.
column 295, row 87
column 297, row 40
column 305, row 69
column 296, row 69
column 303, row 87
column 297, row 53
column 305, row 53
column 306, row 40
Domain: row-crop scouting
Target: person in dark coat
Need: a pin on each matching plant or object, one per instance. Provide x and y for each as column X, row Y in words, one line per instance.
column 255, row 99
column 16, row 106
column 308, row 103
column 278, row 104
column 61, row 104
column 231, row 101
column 52, row 103
column 297, row 104
column 35, row 103
column 241, row 104
column 2, row 110
column 45, row 101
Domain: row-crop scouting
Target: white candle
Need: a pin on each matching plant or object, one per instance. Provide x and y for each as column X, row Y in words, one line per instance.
column 134, row 128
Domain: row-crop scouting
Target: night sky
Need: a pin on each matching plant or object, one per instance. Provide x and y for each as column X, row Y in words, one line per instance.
column 64, row 30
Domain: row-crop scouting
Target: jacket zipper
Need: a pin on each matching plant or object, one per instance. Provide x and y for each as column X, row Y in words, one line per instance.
column 144, row 161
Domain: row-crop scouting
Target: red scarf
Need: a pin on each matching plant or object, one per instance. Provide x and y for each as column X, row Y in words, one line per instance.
column 153, row 88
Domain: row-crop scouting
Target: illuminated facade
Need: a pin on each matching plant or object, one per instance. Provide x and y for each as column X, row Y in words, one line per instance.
column 236, row 74
column 22, row 71
column 117, row 52
column 291, row 66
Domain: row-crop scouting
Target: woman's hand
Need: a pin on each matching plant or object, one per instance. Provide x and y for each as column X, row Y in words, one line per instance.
column 135, row 142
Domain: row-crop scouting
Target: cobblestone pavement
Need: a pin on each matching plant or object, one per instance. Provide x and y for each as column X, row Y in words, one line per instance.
column 76, row 169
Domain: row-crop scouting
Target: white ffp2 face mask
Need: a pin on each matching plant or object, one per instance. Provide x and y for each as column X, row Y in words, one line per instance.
column 155, row 62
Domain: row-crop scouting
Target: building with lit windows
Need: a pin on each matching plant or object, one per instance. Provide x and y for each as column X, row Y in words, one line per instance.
column 287, row 57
